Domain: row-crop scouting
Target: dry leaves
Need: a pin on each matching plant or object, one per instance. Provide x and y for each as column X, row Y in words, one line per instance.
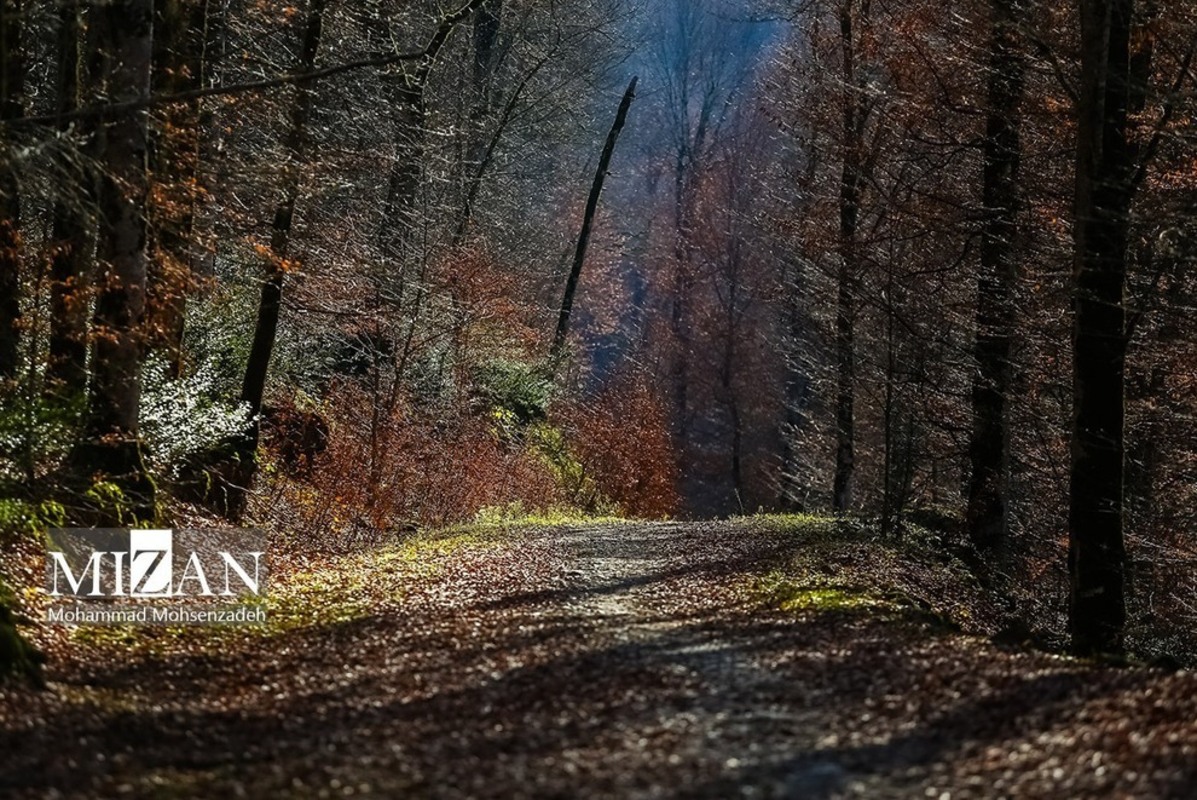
column 614, row 660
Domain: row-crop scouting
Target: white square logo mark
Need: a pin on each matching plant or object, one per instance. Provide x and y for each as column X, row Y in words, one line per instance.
column 150, row 553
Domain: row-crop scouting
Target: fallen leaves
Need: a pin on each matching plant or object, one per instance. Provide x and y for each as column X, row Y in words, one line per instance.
column 613, row 661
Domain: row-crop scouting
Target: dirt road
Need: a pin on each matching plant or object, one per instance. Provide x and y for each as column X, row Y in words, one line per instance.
column 608, row 661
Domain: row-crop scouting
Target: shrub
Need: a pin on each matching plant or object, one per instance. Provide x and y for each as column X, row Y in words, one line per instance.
column 513, row 387
column 184, row 417
column 570, row 474
column 621, row 438
column 36, row 433
column 20, row 518
column 383, row 473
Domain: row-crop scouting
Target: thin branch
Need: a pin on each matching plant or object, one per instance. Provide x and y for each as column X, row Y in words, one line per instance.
column 1045, row 50
column 1153, row 144
column 427, row 54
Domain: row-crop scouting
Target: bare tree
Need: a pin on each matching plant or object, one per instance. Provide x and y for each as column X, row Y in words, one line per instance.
column 12, row 107
column 986, row 513
column 1106, row 159
column 855, row 118
column 596, row 191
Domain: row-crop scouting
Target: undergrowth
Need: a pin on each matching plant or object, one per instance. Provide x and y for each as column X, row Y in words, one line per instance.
column 842, row 565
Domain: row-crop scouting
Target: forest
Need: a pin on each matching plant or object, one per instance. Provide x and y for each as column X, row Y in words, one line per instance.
column 524, row 329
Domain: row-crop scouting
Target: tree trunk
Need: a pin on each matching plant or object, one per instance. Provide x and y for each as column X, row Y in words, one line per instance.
column 792, row 494
column 179, row 42
column 679, row 312
column 486, row 37
column 473, row 148
column 253, row 388
column 849, row 270
column 1104, row 190
column 888, row 412
column 123, row 40
column 989, row 448
column 12, row 106
column 409, row 111
column 596, row 190
column 73, row 234
column 683, row 283
column 228, row 489
column 731, row 403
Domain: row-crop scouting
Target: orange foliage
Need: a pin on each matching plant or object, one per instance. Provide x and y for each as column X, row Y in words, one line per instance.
column 622, row 439
column 413, row 469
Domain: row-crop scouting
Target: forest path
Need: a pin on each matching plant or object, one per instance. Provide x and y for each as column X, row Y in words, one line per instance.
column 623, row 661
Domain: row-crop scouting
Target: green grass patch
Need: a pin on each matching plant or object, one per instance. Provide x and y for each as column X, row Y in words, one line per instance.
column 331, row 591
column 789, row 593
column 804, row 594
column 515, row 515
column 806, row 522
column 812, row 527
column 841, row 565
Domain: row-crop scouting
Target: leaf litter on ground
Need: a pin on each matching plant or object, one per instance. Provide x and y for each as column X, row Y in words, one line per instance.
column 743, row 658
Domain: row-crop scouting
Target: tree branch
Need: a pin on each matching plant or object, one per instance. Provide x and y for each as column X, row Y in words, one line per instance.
column 427, row 55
